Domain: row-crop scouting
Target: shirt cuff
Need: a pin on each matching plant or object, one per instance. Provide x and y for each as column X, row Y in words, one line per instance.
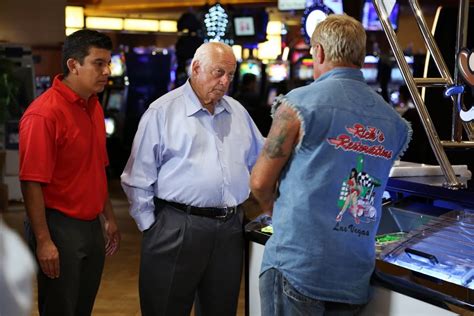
column 144, row 220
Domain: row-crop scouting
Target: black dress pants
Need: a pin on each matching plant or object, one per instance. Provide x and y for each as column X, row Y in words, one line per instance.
column 81, row 250
column 186, row 257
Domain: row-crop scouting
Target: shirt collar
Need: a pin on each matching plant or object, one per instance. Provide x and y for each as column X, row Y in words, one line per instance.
column 343, row 72
column 193, row 105
column 71, row 96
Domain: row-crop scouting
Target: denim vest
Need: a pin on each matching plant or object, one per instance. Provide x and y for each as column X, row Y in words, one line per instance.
column 326, row 216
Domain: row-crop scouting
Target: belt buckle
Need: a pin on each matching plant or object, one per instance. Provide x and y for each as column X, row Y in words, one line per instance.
column 229, row 211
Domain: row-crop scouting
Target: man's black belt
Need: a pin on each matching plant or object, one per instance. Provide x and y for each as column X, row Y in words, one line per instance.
column 222, row 213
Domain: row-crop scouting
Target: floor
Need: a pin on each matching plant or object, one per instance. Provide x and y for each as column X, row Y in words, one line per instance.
column 118, row 293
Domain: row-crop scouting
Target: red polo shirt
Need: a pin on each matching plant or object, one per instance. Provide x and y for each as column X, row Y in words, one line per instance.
column 62, row 145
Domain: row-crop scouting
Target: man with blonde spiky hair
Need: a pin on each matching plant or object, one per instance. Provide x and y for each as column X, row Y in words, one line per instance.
column 334, row 140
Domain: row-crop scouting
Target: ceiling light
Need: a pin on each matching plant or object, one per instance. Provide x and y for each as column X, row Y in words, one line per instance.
column 216, row 22
column 141, row 25
column 70, row 30
column 75, row 17
column 168, row 26
column 101, row 23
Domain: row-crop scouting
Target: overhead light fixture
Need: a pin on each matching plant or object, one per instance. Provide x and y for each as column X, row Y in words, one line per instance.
column 70, row 30
column 168, row 26
column 141, row 25
column 101, row 23
column 74, row 17
column 216, row 22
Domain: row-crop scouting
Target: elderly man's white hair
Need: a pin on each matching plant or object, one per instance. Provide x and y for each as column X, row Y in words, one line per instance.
column 204, row 52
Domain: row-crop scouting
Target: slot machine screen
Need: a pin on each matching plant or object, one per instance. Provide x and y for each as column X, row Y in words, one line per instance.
column 305, row 69
column 250, row 66
column 115, row 100
column 370, row 19
column 369, row 70
column 396, row 75
column 277, row 72
column 117, row 65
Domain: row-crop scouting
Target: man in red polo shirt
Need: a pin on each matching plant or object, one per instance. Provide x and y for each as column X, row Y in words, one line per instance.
column 62, row 171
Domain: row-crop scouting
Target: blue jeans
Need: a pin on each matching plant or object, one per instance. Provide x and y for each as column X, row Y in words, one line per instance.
column 279, row 298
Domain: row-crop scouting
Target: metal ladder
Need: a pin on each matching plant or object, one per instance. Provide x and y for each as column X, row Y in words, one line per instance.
column 445, row 80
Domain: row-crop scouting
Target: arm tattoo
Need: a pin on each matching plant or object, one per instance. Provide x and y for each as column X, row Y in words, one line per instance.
column 278, row 133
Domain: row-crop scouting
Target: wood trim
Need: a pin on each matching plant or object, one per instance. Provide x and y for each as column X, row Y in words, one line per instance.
column 154, row 5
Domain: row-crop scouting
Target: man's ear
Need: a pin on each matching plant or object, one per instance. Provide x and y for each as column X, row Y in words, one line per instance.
column 195, row 67
column 320, row 54
column 72, row 65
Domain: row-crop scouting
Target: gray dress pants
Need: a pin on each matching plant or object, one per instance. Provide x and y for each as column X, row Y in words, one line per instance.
column 81, row 250
column 186, row 258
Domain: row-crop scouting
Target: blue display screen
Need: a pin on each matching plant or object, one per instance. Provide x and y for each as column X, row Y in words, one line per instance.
column 370, row 19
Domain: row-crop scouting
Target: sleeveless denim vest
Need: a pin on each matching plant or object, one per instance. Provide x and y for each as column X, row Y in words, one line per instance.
column 328, row 211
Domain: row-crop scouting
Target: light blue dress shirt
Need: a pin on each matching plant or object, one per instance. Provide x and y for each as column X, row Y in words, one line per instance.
column 183, row 153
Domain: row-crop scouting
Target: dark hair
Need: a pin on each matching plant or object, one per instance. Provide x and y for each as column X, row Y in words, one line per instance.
column 353, row 173
column 77, row 46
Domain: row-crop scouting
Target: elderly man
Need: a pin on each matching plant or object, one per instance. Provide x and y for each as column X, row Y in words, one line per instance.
column 186, row 177
column 330, row 148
